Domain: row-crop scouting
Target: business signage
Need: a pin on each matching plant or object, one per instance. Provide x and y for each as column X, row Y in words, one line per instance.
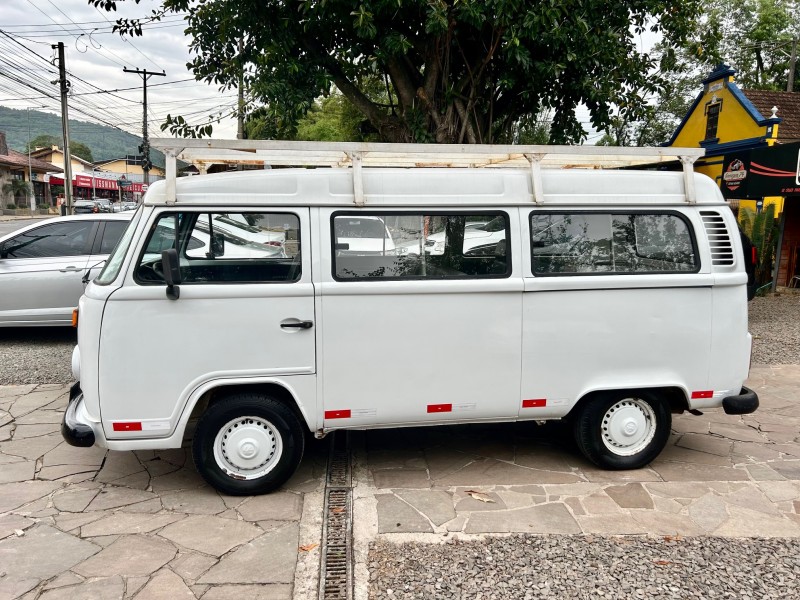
column 98, row 183
column 770, row 171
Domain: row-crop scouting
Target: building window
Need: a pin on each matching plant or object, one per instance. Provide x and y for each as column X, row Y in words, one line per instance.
column 712, row 118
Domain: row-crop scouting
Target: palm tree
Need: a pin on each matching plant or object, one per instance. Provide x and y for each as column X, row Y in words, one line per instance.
column 16, row 188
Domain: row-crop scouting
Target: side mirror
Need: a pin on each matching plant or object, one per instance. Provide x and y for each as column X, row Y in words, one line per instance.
column 172, row 272
column 217, row 245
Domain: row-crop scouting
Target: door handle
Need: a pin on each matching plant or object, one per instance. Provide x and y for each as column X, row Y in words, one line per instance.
column 70, row 269
column 299, row 325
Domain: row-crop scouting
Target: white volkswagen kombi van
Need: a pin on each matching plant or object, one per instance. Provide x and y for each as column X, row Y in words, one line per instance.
column 612, row 298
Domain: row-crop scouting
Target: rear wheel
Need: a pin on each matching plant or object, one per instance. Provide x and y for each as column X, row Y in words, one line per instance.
column 248, row 444
column 624, row 429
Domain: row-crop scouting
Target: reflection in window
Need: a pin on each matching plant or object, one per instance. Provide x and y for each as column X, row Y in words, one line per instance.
column 225, row 247
column 610, row 243
column 57, row 239
column 419, row 246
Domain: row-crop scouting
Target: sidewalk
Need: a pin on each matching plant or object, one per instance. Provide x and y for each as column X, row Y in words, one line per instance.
column 720, row 475
column 82, row 522
column 23, row 218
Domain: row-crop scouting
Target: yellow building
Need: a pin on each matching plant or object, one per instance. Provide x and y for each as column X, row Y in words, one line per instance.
column 128, row 167
column 725, row 119
column 752, row 142
column 55, row 156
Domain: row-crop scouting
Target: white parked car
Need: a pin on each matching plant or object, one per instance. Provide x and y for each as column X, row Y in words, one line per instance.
column 362, row 235
column 480, row 237
column 43, row 266
column 254, row 228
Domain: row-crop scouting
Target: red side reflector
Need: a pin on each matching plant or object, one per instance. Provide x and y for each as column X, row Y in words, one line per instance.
column 535, row 403
column 127, row 426
column 436, row 408
column 337, row 414
column 703, row 394
column 755, row 255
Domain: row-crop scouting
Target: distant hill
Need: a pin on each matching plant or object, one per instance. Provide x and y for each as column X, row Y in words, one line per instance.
column 105, row 142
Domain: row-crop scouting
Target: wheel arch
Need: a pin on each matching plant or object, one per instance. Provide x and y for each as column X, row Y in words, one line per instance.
column 675, row 396
column 220, row 390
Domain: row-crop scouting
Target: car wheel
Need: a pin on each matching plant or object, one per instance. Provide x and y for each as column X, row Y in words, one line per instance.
column 624, row 429
column 248, row 444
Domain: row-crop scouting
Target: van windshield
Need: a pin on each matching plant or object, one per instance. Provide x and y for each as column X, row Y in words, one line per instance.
column 114, row 262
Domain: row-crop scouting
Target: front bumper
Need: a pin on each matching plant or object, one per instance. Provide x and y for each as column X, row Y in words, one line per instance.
column 75, row 431
column 744, row 403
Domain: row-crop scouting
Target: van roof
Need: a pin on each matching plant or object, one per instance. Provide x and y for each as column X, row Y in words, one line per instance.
column 435, row 186
column 412, row 175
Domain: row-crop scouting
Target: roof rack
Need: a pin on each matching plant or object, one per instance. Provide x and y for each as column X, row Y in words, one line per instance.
column 358, row 155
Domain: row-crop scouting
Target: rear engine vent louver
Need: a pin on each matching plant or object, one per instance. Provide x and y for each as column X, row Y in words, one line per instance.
column 718, row 238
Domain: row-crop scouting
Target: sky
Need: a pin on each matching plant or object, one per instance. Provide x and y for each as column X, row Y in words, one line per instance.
column 95, row 58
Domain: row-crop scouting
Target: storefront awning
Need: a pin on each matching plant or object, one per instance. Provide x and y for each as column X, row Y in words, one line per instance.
column 99, row 183
column 754, row 174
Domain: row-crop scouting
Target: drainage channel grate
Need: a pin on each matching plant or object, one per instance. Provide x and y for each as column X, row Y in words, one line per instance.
column 336, row 568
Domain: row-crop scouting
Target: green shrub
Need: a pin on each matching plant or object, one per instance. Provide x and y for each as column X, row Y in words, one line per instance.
column 762, row 229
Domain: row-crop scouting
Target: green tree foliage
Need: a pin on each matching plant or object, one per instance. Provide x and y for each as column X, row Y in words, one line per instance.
column 455, row 70
column 105, row 142
column 762, row 229
column 753, row 36
column 17, row 190
column 330, row 119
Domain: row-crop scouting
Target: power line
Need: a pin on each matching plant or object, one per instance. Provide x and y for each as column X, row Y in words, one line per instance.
column 131, row 44
column 166, row 18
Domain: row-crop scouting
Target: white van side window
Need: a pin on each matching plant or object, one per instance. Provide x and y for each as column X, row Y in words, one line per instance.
column 624, row 243
column 420, row 245
column 224, row 247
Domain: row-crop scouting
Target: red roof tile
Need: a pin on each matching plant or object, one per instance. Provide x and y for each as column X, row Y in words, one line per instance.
column 788, row 104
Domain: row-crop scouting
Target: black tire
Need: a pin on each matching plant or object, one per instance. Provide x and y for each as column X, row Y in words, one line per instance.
column 279, row 440
column 591, row 428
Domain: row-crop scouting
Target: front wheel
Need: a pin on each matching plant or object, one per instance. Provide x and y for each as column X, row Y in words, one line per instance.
column 248, row 444
column 624, row 429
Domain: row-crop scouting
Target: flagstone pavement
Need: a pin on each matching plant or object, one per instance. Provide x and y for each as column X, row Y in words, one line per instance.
column 86, row 523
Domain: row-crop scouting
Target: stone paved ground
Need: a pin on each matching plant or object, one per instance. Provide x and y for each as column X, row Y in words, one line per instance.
column 81, row 523
column 719, row 475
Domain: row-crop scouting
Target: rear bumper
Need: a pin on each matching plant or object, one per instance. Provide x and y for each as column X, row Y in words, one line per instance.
column 744, row 403
column 74, row 430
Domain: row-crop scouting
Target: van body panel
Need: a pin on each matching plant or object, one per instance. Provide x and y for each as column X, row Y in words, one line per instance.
column 611, row 339
column 161, row 350
column 381, row 339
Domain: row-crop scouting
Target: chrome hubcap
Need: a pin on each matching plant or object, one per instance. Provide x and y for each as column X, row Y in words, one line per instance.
column 247, row 447
column 628, row 427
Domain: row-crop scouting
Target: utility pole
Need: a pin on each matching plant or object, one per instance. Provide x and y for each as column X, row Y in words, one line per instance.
column 144, row 149
column 65, row 85
column 32, row 199
column 792, row 61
